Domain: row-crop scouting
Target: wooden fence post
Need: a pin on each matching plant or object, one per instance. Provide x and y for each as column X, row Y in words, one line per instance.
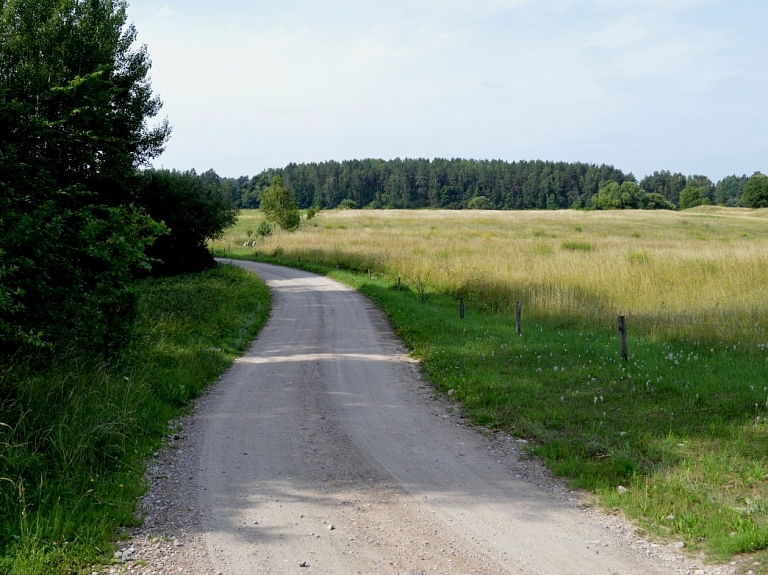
column 519, row 317
column 398, row 284
column 461, row 307
column 623, row 337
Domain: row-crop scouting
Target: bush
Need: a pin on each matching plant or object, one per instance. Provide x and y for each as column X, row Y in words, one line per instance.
column 265, row 229
column 347, row 204
column 196, row 210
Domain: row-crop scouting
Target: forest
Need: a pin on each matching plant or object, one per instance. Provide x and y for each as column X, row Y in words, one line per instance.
column 482, row 184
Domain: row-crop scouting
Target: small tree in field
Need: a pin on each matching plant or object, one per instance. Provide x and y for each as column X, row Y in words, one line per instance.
column 279, row 205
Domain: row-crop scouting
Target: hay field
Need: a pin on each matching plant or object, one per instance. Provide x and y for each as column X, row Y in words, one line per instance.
column 699, row 273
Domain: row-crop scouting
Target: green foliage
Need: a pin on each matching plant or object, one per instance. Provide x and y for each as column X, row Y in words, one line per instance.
column 311, row 212
column 437, row 183
column 67, row 274
column 756, row 192
column 654, row 201
column 75, row 434
column 195, row 209
column 692, row 196
column 452, row 184
column 279, row 206
column 729, row 190
column 479, row 203
column 265, row 228
column 347, row 204
column 628, row 195
column 74, row 100
column 666, row 184
column 577, row 246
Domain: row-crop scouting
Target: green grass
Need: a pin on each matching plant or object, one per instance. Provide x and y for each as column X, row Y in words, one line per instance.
column 74, row 437
column 681, row 425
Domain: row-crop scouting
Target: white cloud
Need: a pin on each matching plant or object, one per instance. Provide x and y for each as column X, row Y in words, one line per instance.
column 166, row 11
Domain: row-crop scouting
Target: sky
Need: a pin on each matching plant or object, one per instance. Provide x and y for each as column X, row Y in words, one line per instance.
column 642, row 85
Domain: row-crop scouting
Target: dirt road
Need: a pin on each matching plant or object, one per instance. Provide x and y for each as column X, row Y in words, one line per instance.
column 322, row 451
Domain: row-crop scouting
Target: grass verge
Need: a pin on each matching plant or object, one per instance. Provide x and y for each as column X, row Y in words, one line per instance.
column 681, row 425
column 73, row 437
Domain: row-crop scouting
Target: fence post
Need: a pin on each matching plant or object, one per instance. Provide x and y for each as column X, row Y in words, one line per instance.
column 519, row 317
column 623, row 337
column 398, row 284
column 461, row 307
column 369, row 273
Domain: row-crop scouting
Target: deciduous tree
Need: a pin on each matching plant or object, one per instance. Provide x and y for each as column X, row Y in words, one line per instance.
column 279, row 205
column 75, row 100
column 756, row 192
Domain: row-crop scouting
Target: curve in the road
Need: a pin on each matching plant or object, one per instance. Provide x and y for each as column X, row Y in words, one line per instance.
column 324, row 453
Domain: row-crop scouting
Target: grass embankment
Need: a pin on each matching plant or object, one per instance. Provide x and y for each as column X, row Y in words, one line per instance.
column 681, row 425
column 74, row 436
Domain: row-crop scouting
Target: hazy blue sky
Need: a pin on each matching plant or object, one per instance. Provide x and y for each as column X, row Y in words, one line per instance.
column 641, row 84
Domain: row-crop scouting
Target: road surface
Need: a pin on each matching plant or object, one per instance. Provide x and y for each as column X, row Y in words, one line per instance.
column 322, row 451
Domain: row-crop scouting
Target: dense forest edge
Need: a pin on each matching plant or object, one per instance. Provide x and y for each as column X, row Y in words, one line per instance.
column 491, row 184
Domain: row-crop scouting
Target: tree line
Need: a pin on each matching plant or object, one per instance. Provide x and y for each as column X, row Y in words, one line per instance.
column 81, row 213
column 489, row 184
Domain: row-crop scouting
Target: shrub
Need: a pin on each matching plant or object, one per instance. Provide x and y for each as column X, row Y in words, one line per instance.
column 265, row 229
column 196, row 210
column 577, row 246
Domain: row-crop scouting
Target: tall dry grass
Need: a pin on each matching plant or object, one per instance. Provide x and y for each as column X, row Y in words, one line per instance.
column 700, row 272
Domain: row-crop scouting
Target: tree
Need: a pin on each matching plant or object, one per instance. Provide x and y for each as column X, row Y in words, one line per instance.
column 74, row 105
column 756, row 192
column 665, row 183
column 628, row 195
column 196, row 208
column 692, row 196
column 654, row 201
column 728, row 190
column 279, row 205
column 479, row 203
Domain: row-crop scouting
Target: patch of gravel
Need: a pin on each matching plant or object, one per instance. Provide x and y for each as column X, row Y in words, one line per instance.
column 170, row 540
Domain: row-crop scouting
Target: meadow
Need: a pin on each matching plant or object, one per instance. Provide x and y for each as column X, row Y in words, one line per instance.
column 680, row 427
column 699, row 272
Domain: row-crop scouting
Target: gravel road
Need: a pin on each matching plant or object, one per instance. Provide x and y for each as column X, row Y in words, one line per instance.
column 322, row 452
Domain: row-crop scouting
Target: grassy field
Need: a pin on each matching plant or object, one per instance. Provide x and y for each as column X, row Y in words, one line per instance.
column 699, row 272
column 681, row 425
column 74, row 436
